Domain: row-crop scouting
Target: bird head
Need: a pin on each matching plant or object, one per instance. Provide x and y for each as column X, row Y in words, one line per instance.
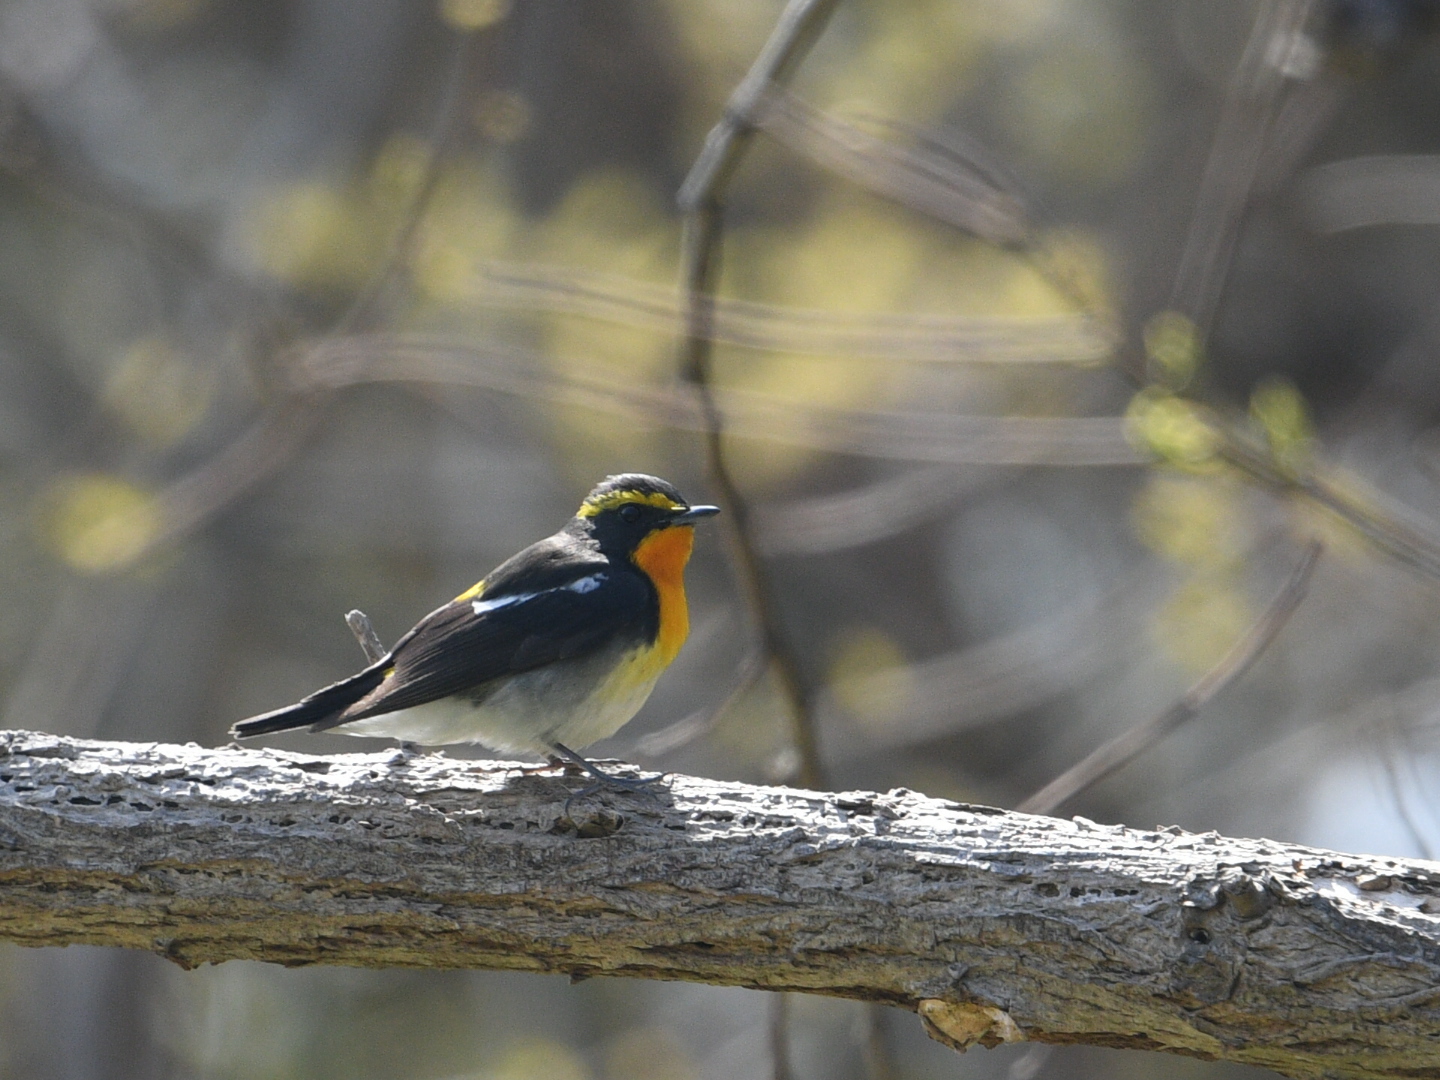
column 623, row 511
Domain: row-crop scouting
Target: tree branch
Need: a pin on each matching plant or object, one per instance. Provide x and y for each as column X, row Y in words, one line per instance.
column 993, row 926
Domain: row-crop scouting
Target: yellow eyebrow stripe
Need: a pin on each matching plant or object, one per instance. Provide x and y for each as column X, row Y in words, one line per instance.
column 611, row 499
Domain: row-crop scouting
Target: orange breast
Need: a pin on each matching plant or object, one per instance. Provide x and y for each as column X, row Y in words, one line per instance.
column 663, row 555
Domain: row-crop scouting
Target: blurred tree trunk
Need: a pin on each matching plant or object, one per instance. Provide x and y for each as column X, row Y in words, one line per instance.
column 993, row 926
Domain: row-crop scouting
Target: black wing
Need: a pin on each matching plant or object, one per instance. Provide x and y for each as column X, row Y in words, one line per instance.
column 468, row 643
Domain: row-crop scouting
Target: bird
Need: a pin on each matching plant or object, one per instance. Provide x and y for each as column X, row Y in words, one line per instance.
column 556, row 648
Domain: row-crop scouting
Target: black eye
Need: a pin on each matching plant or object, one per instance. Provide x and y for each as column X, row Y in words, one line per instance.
column 630, row 513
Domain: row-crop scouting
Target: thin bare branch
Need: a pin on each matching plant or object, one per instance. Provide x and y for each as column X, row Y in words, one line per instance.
column 800, row 24
column 703, row 246
column 1124, row 748
column 1389, row 747
column 1270, row 57
column 949, row 187
column 1393, row 529
column 982, row 683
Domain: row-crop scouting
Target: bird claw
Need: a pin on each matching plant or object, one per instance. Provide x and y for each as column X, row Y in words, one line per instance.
column 636, row 785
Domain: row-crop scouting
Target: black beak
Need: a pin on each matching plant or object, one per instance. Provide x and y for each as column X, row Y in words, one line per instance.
column 693, row 514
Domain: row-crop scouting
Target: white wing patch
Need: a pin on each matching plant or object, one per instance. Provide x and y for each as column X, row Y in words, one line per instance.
column 480, row 607
column 580, row 585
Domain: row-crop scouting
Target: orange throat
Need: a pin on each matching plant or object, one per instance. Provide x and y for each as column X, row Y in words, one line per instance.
column 663, row 555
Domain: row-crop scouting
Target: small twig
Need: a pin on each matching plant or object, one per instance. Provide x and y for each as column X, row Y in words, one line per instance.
column 359, row 624
column 1389, row 737
column 1129, row 745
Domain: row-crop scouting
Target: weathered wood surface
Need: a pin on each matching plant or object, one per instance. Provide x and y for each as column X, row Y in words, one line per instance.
column 993, row 926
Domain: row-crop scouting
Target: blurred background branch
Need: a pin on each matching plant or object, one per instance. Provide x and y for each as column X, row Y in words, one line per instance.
column 1126, row 747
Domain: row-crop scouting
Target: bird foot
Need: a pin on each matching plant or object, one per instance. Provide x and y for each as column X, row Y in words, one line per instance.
column 633, row 785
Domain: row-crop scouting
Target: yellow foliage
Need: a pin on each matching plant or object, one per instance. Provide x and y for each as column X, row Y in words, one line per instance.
column 538, row 1059
column 611, row 220
column 648, row 1053
column 1280, row 411
column 310, row 234
column 97, row 523
column 473, row 14
column 159, row 393
column 163, row 14
column 1173, row 429
column 851, row 254
column 1172, row 343
column 470, row 217
column 1196, row 521
column 1201, row 621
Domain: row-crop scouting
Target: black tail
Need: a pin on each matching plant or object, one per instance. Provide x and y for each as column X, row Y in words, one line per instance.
column 318, row 707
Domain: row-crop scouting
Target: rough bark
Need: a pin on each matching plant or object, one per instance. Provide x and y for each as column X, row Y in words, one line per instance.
column 993, row 926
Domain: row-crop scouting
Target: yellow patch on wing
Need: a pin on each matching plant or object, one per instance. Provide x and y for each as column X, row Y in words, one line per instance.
column 611, row 499
column 663, row 555
column 471, row 593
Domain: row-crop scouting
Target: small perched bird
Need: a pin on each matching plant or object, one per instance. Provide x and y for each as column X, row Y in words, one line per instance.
column 557, row 647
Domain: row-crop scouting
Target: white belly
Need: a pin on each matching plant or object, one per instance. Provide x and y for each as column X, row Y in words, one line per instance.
column 575, row 702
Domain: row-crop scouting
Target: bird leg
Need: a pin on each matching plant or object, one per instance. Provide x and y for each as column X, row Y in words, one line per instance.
column 636, row 785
